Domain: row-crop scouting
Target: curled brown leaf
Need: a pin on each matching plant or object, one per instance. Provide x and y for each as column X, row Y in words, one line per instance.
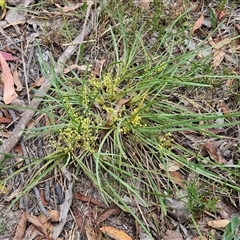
column 84, row 198
column 113, row 209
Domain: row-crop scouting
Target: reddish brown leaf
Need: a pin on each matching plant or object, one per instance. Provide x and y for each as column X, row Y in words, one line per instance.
column 8, row 56
column 10, row 50
column 43, row 199
column 113, row 209
column 197, row 24
column 212, row 151
column 47, row 121
column 84, row 198
column 6, row 113
column 224, row 107
column 115, row 233
column 7, row 80
column 5, row 120
column 21, row 227
column 79, row 221
column 18, row 149
column 221, row 15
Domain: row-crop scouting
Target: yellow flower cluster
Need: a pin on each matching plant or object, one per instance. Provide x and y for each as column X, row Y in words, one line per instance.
column 165, row 141
column 78, row 134
column 71, row 111
column 2, row 4
column 107, row 84
column 135, row 120
column 85, row 97
column 161, row 67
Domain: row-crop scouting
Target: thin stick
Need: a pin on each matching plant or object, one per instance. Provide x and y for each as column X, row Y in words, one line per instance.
column 83, row 29
column 25, row 76
column 16, row 134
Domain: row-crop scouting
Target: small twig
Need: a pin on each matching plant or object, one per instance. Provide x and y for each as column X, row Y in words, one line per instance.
column 90, row 3
column 25, row 76
column 39, row 201
column 30, row 57
column 47, row 190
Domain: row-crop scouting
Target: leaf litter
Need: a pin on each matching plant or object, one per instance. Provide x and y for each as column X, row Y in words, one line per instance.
column 220, row 51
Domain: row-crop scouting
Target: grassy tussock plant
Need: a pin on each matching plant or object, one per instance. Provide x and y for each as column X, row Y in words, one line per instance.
column 119, row 128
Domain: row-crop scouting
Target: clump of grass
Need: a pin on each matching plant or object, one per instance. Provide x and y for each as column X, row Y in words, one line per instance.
column 119, row 127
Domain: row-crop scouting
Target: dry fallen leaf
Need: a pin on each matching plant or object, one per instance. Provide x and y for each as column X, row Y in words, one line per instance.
column 39, row 82
column 218, row 223
column 92, row 233
column 218, row 56
column 5, row 120
column 10, row 50
column 222, row 43
column 67, row 8
column 21, row 227
column 7, row 80
column 212, row 151
column 34, row 233
column 197, row 24
column 115, row 233
column 8, row 56
column 43, row 199
column 117, row 110
column 84, row 198
column 177, row 177
column 17, row 80
column 79, row 220
column 46, row 224
column 75, row 66
column 54, row 215
column 35, row 221
column 221, row 15
column 113, row 209
column 19, row 159
column 224, row 107
column 170, row 235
